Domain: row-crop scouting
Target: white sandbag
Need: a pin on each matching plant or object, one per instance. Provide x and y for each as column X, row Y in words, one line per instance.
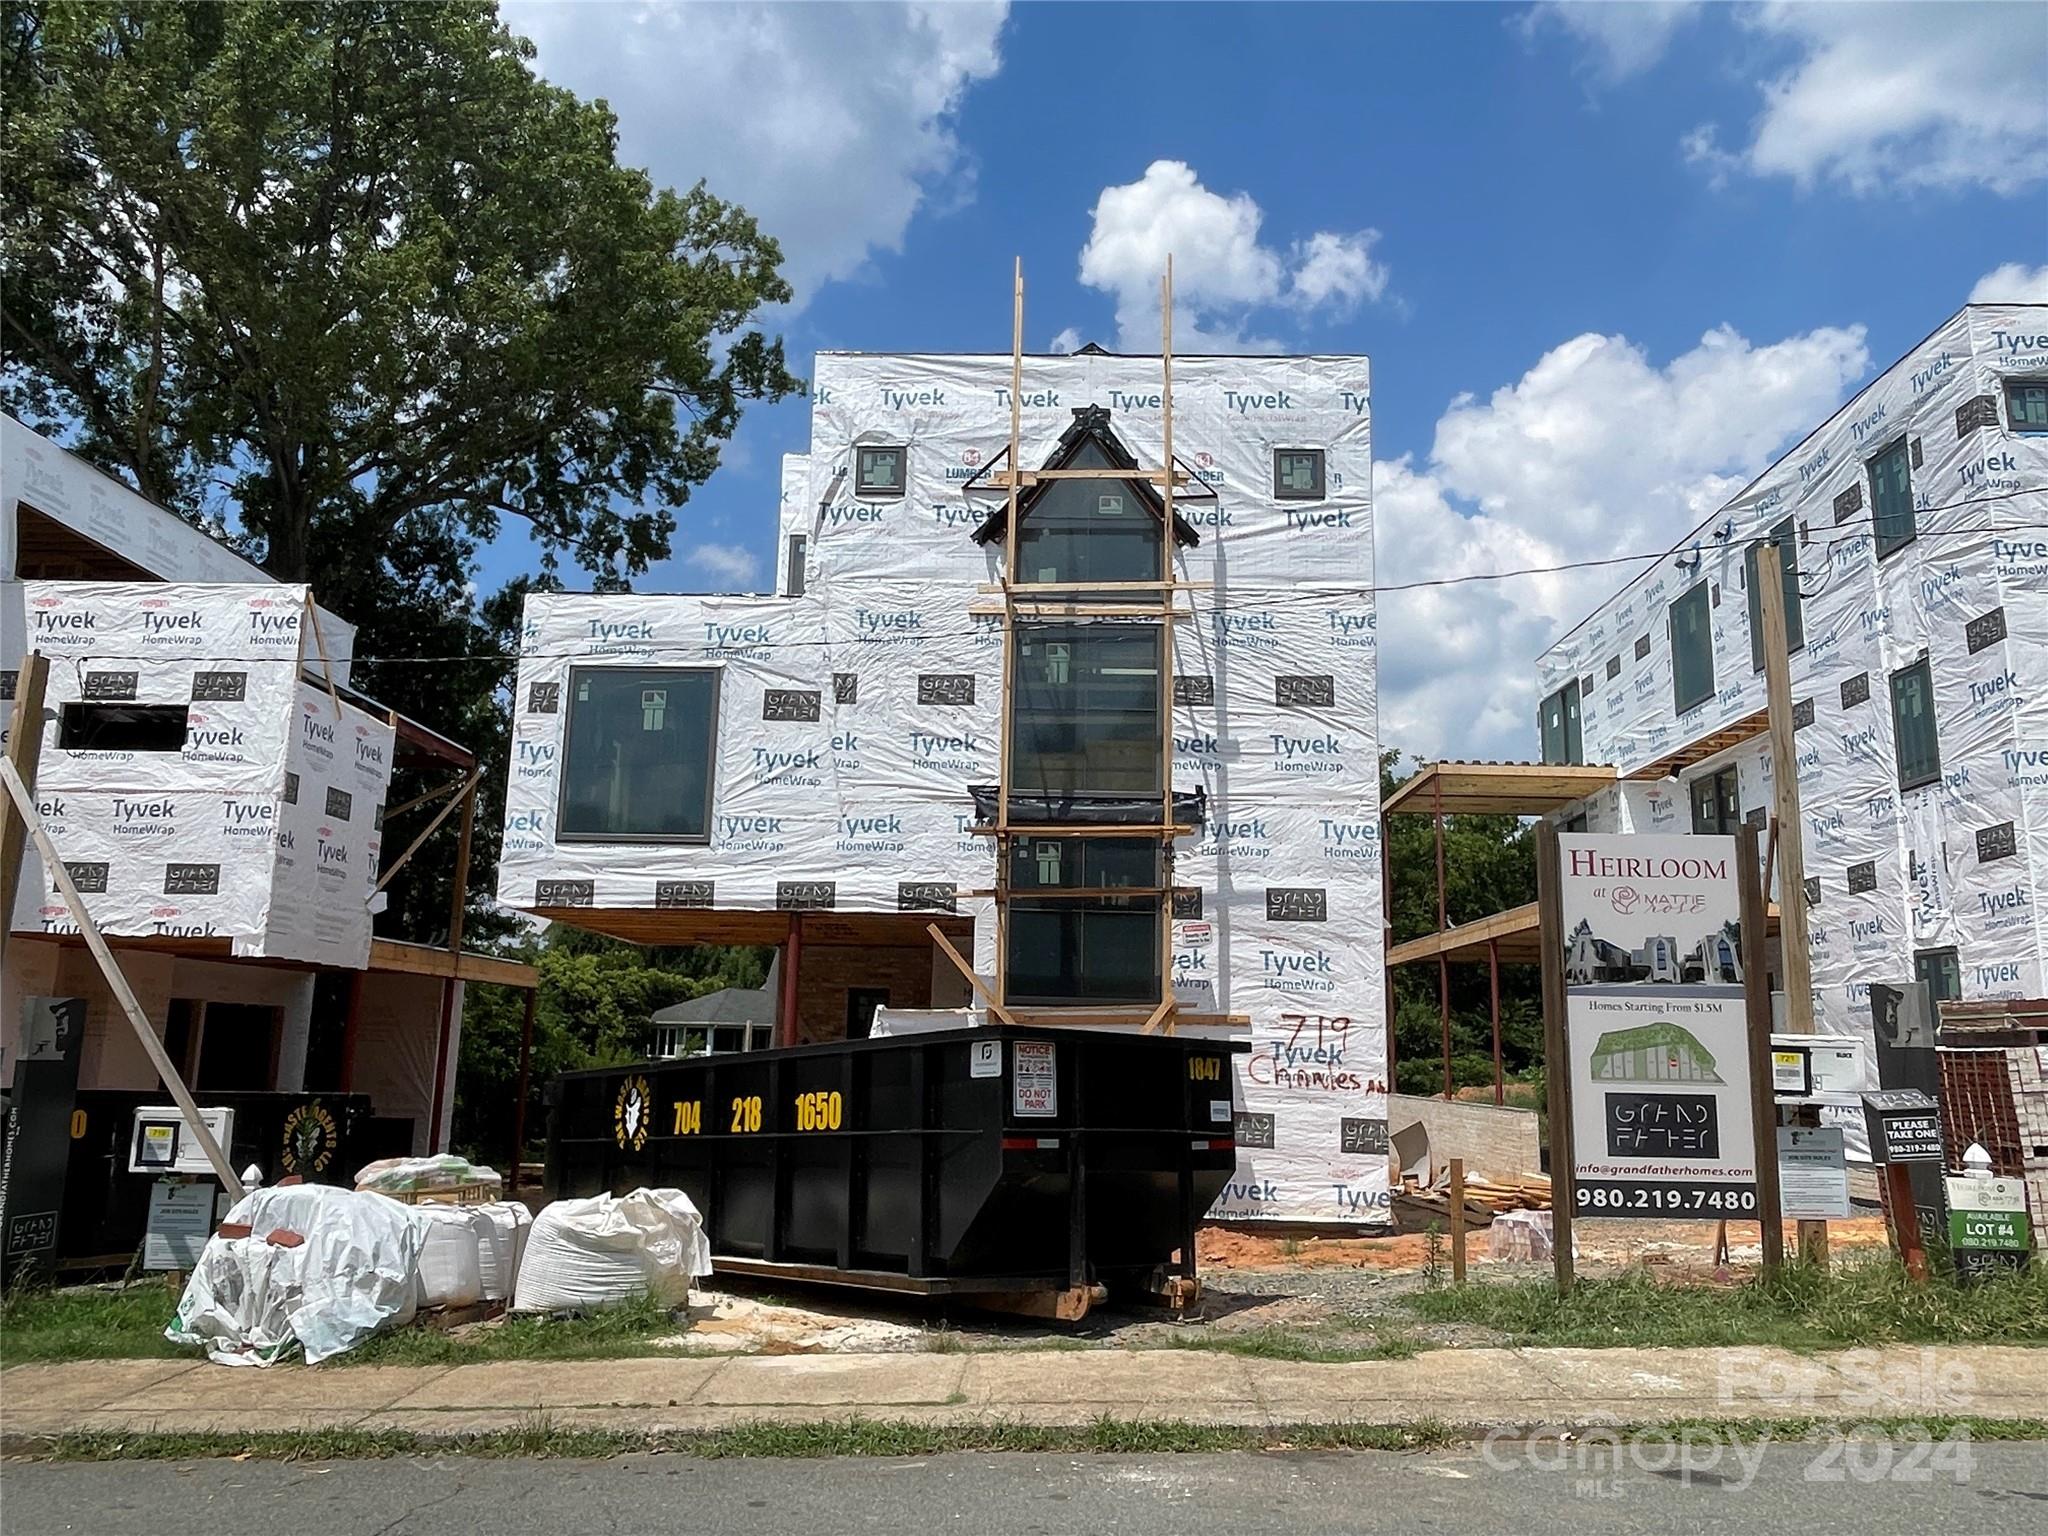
column 612, row 1248
column 508, row 1222
column 250, row 1300
column 451, row 1260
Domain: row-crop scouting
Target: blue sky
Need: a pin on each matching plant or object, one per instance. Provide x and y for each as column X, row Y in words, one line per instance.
column 1608, row 259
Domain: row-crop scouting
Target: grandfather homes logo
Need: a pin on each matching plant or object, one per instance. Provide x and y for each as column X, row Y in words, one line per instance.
column 949, row 753
column 291, row 788
column 1351, row 631
column 751, row 834
column 564, row 893
column 1297, row 970
column 191, row 879
column 109, row 685
column 1194, row 689
column 220, row 687
column 1855, row 690
column 9, row 681
column 1349, row 842
column 671, row 894
column 544, row 698
column 738, row 641
column 1613, row 667
column 791, row 704
column 1802, row 714
column 273, row 624
column 88, row 878
column 845, row 687
column 1361, row 1138
column 533, row 759
column 1849, row 503
column 1862, row 877
column 926, row 896
column 805, row 895
column 1253, row 1130
column 888, row 626
column 1987, row 629
column 1297, row 904
column 339, row 803
column 1251, row 631
column 309, row 1139
column 1995, row 843
column 155, row 817
column 1307, row 756
column 945, row 688
column 1298, row 690
column 1972, row 414
column 1187, row 903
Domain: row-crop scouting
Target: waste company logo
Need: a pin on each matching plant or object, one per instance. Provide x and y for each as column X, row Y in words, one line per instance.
column 632, row 1114
column 308, row 1143
column 888, row 626
column 2026, row 558
column 783, row 766
column 1251, row 630
column 1318, row 756
column 1349, row 842
column 1246, row 837
column 273, row 626
column 946, row 751
column 735, row 642
column 154, row 817
column 870, row 834
column 1994, row 473
column 752, row 834
column 2026, row 767
column 1352, row 630
column 533, row 759
column 526, row 831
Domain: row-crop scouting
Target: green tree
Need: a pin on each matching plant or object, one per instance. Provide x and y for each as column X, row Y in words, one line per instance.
column 350, row 283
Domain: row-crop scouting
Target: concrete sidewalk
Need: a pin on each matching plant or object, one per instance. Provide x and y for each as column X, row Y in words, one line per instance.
column 1475, row 1387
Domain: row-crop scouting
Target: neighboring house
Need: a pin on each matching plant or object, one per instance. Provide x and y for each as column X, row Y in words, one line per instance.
column 718, row 1023
column 1915, row 520
column 824, row 770
column 218, row 793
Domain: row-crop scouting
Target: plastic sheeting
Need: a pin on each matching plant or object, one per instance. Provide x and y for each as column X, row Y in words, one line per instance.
column 598, row 1252
column 1959, row 862
column 250, row 1300
column 852, row 720
column 263, row 825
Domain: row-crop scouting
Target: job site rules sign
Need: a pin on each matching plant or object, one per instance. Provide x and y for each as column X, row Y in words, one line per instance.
column 1657, row 1032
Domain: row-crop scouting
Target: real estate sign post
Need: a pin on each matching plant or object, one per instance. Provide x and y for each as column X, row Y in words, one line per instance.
column 1667, row 1104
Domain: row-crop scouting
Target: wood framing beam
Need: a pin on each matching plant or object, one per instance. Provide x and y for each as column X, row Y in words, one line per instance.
column 1157, row 477
column 462, row 798
column 24, row 751
column 980, row 988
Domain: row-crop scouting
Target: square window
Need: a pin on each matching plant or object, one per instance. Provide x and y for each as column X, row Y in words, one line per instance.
column 880, row 472
column 1072, row 937
column 1913, row 731
column 637, row 756
column 1692, row 649
column 1642, row 646
column 2026, row 405
column 1891, row 499
column 1297, row 474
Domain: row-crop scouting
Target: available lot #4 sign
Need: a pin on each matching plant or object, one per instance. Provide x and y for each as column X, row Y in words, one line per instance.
column 1658, row 1035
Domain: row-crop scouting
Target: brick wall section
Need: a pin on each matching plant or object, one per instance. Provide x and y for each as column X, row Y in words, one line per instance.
column 826, row 973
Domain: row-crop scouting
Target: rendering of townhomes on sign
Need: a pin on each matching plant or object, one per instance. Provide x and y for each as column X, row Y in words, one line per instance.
column 765, row 767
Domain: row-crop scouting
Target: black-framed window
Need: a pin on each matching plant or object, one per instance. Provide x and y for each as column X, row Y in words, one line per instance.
column 799, row 549
column 1891, row 498
column 1942, row 971
column 123, row 727
column 1716, row 803
column 1558, row 726
column 1298, row 474
column 1692, row 648
column 1084, row 710
column 1072, row 939
column 638, row 754
column 1788, row 583
column 1091, row 530
column 880, row 470
column 2026, row 405
column 1915, row 740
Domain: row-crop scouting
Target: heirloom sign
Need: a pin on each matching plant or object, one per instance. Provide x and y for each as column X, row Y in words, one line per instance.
column 1657, row 1032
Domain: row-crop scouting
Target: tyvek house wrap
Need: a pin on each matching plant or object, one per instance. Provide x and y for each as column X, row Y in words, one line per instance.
column 851, row 720
column 198, row 842
column 1957, row 862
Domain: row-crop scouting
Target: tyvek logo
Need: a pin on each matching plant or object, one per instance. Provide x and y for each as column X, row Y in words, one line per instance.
column 1242, row 403
column 784, row 767
column 171, row 627
column 2021, row 557
column 734, row 640
column 144, row 818
column 1201, row 745
column 751, row 834
column 1867, row 423
column 1994, row 695
column 911, row 399
column 1289, row 970
column 1029, row 399
column 870, row 834
column 2009, row 908
column 273, row 629
column 1246, row 631
column 2000, row 980
column 1993, row 472
column 533, row 759
column 2015, row 343
column 1349, row 842
column 950, row 517
column 1866, row 933
column 1125, row 400
column 1313, row 520
column 1307, row 755
column 527, row 831
column 2026, row 766
column 1238, row 838
column 1814, row 465
column 1351, row 631
column 858, row 512
column 1922, row 377
column 1352, row 401
column 946, row 752
column 888, row 624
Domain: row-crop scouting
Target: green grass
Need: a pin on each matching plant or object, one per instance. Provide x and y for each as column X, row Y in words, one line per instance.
column 1325, row 1344
column 539, row 1437
column 1862, row 1300
column 87, row 1325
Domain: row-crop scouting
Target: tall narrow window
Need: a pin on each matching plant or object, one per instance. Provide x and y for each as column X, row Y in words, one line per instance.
column 1558, row 726
column 1716, row 803
column 1891, row 499
column 1091, row 530
column 1692, row 649
column 637, row 754
column 1941, row 971
column 1913, row 733
column 2026, row 405
column 1084, row 711
column 799, row 547
column 1072, row 938
column 1788, row 583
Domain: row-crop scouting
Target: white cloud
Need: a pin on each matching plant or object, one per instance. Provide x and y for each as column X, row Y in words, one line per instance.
column 1595, row 452
column 1887, row 97
column 1221, row 271
column 1624, row 37
column 831, row 124
column 1068, row 340
column 729, row 563
column 2013, row 283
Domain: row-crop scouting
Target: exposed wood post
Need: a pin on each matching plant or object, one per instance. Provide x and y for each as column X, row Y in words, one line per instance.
column 405, row 858
column 117, row 983
column 1905, row 1218
column 351, row 1031
column 1493, row 979
column 1166, row 819
column 1557, row 1067
column 525, row 1086
column 1794, row 947
column 791, row 997
column 980, row 988
column 1387, row 946
column 451, row 988
column 320, row 643
column 458, row 902
column 1458, row 1220
column 1756, row 993
column 24, row 751
column 1443, row 997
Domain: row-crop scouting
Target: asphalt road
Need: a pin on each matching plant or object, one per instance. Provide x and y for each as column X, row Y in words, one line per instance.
column 1511, row 1490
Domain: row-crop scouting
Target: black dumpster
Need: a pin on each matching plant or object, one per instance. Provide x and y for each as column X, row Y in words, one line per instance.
column 1000, row 1161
